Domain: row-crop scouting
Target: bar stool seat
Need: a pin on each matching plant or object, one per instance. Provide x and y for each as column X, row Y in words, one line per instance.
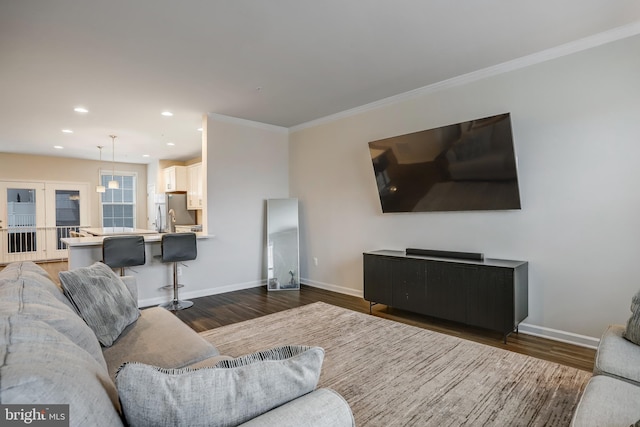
column 123, row 251
column 178, row 247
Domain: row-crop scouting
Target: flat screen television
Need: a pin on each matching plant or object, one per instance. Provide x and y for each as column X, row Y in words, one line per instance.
column 468, row 166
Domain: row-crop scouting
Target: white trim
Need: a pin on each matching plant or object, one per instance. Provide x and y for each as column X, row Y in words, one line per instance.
column 331, row 287
column 202, row 293
column 595, row 40
column 557, row 335
column 248, row 123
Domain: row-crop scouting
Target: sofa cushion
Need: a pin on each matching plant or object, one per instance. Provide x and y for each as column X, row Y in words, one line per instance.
column 607, row 401
column 632, row 331
column 36, row 276
column 102, row 299
column 40, row 365
column 35, row 297
column 617, row 357
column 232, row 392
column 158, row 338
column 65, row 323
column 15, row 268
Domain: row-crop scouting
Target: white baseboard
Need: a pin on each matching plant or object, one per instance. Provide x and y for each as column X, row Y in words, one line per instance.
column 202, row 292
column 557, row 335
column 331, row 287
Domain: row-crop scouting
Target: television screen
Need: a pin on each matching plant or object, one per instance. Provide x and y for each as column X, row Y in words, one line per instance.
column 467, row 166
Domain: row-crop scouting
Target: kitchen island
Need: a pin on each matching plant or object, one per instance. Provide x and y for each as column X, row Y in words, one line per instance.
column 116, row 231
column 151, row 277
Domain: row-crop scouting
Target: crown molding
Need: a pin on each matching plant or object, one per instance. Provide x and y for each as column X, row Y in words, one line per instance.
column 586, row 43
column 248, row 123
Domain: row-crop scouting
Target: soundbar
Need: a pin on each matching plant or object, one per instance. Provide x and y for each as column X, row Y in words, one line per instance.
column 445, row 254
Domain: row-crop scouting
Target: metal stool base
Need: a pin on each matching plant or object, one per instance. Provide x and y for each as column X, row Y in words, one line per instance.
column 170, row 287
column 176, row 305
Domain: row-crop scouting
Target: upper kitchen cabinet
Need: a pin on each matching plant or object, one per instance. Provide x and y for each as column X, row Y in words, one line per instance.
column 194, row 188
column 175, row 179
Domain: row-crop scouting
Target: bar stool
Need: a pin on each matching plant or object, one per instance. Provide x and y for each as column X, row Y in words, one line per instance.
column 123, row 251
column 178, row 247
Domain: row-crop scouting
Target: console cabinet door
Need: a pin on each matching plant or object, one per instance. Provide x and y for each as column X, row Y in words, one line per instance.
column 490, row 299
column 409, row 290
column 377, row 279
column 447, row 290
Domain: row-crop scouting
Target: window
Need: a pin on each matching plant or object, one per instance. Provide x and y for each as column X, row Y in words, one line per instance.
column 119, row 205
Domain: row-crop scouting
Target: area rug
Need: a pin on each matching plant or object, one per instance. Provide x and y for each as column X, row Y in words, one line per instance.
column 394, row 374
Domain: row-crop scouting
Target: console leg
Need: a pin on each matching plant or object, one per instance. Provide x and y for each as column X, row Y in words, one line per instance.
column 371, row 304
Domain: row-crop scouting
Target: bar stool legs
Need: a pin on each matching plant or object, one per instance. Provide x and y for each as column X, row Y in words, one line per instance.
column 176, row 304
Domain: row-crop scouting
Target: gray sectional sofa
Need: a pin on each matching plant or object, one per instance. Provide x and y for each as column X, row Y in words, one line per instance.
column 155, row 367
column 612, row 396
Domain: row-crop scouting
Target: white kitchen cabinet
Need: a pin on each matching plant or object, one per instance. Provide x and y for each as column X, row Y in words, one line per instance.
column 194, row 189
column 175, row 179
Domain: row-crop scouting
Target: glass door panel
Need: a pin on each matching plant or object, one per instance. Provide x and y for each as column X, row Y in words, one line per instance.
column 67, row 214
column 22, row 217
column 67, row 211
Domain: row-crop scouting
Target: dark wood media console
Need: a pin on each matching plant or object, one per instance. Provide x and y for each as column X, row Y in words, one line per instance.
column 489, row 293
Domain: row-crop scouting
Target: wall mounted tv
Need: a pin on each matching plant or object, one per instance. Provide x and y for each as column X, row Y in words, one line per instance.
column 468, row 166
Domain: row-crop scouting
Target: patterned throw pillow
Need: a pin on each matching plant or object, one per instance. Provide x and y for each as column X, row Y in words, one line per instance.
column 632, row 331
column 101, row 299
column 227, row 394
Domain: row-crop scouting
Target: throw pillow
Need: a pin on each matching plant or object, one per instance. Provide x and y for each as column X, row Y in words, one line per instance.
column 227, row 394
column 102, row 300
column 632, row 331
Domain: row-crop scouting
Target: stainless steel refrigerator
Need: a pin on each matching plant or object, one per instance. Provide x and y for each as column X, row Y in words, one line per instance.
column 171, row 210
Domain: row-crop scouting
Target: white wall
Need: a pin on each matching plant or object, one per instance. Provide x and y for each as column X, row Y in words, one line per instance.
column 247, row 163
column 576, row 125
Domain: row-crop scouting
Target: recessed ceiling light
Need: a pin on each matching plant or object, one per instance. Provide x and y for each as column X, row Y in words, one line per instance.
column 145, row 155
column 80, row 110
column 167, row 113
column 58, row 147
column 200, row 129
column 67, row 131
column 170, row 144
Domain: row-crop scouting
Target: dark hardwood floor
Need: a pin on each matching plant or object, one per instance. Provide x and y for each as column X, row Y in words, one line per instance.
column 223, row 309
column 232, row 307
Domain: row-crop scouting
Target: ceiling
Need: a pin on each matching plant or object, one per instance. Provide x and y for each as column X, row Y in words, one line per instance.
column 280, row 62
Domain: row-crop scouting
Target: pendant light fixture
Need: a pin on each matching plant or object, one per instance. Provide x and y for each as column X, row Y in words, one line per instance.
column 113, row 184
column 100, row 188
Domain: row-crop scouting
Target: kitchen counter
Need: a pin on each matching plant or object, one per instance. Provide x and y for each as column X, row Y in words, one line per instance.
column 116, row 231
column 96, row 240
column 84, row 251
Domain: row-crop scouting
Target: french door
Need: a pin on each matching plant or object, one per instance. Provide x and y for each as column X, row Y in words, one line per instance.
column 34, row 216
